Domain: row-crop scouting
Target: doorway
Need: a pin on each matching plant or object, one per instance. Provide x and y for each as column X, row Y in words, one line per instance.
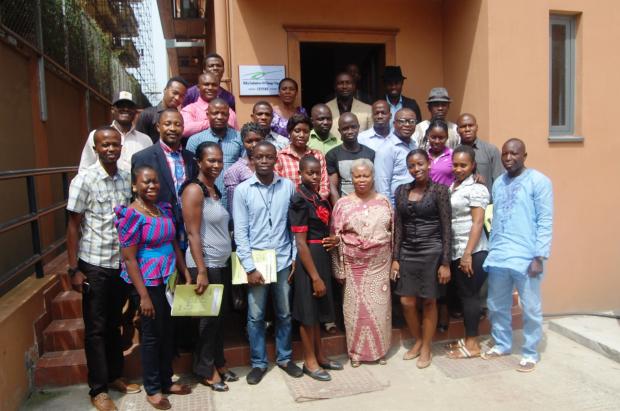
column 321, row 61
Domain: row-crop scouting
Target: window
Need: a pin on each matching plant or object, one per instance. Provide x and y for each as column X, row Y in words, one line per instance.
column 562, row 75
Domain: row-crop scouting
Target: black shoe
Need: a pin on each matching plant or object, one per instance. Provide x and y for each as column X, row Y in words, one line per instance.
column 229, row 376
column 332, row 365
column 256, row 375
column 319, row 375
column 219, row 386
column 291, row 369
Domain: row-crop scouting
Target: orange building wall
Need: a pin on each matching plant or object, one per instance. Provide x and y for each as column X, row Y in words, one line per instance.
column 257, row 36
column 493, row 57
column 583, row 269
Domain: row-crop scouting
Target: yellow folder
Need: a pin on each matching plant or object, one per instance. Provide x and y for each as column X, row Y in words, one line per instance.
column 186, row 303
column 264, row 261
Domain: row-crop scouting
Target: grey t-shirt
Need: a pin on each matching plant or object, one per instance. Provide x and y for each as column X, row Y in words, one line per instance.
column 214, row 235
column 339, row 161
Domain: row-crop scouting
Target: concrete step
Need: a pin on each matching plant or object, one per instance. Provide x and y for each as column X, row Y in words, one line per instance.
column 63, row 335
column 600, row 334
column 66, row 305
column 60, row 368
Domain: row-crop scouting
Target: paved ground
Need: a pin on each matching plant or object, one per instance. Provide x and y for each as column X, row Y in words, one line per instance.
column 570, row 377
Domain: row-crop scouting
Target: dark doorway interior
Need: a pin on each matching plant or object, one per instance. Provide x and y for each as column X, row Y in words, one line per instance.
column 320, row 62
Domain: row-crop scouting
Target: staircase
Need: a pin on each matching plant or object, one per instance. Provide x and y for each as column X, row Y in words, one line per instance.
column 63, row 361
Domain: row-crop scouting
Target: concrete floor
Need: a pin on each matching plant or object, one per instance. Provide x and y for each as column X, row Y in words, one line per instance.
column 569, row 377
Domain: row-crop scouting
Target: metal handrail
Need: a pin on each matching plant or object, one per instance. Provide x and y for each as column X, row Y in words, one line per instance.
column 14, row 276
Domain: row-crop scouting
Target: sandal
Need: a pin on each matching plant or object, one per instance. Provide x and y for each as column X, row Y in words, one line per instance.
column 355, row 364
column 178, row 389
column 492, row 354
column 456, row 344
column 381, row 361
column 462, row 352
column 526, row 365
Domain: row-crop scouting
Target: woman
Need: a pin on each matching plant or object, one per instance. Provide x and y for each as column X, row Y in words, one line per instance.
column 363, row 221
column 421, row 259
column 206, row 222
column 469, row 246
column 313, row 303
column 299, row 126
column 440, row 154
column 150, row 253
column 287, row 90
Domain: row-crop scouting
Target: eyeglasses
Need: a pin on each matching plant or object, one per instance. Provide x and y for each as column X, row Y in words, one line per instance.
column 407, row 121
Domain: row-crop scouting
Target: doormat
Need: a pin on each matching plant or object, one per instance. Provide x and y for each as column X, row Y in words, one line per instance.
column 469, row 367
column 345, row 383
column 201, row 398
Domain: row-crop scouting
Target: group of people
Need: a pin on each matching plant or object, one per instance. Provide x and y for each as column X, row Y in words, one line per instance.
column 359, row 204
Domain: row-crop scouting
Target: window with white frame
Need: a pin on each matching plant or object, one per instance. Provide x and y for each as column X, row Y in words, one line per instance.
column 562, row 75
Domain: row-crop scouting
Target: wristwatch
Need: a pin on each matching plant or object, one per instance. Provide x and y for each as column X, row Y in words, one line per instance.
column 72, row 271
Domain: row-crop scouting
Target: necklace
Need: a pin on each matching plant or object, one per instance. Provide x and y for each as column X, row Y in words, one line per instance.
column 148, row 211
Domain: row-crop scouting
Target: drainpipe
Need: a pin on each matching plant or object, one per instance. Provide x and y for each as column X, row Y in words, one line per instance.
column 221, row 20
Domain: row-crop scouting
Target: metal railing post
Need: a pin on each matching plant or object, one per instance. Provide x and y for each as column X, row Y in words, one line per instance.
column 34, row 224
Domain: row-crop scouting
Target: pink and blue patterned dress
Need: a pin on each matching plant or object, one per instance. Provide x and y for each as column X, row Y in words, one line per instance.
column 153, row 236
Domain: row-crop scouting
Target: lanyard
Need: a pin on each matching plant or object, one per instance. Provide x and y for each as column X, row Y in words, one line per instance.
column 267, row 203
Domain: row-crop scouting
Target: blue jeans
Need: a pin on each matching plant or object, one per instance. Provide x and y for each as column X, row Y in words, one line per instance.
column 501, row 283
column 257, row 301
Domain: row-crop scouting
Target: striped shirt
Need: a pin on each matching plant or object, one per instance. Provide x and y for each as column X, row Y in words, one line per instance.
column 94, row 193
column 235, row 175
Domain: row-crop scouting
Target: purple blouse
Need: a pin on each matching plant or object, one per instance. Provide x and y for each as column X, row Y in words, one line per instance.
column 278, row 124
column 153, row 236
column 441, row 168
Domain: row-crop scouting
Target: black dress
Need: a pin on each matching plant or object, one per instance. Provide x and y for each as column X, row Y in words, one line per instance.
column 422, row 239
column 310, row 214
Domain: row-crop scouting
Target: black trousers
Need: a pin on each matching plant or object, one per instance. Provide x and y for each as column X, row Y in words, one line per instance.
column 103, row 298
column 209, row 350
column 157, row 342
column 468, row 290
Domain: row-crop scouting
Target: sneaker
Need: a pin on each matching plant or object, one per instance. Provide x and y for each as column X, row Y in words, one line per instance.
column 103, row 402
column 256, row 375
column 292, row 369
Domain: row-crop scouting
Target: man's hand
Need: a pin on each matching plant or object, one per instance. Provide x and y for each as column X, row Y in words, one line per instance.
column 478, row 178
column 535, row 268
column 465, row 265
column 77, row 280
column 256, row 278
column 202, row 282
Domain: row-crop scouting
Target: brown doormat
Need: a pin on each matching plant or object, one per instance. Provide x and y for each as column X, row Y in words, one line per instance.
column 350, row 381
column 201, row 398
column 469, row 367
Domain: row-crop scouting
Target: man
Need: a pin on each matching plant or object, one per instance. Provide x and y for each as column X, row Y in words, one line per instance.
column 262, row 114
column 94, row 258
column 520, row 243
column 376, row 136
column 132, row 141
column 488, row 159
column 391, row 159
column 393, row 81
column 339, row 159
column 173, row 164
column 260, row 212
column 321, row 137
column 174, row 93
column 220, row 132
column 195, row 115
column 214, row 63
column 251, row 134
column 346, row 102
column 354, row 70
column 438, row 104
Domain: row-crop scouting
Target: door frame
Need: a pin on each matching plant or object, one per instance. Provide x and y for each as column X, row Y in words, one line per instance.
column 327, row 34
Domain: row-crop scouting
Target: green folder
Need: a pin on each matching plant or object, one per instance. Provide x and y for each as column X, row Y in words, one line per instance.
column 264, row 261
column 186, row 303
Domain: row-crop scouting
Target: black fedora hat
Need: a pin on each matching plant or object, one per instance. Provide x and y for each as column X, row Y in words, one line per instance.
column 393, row 73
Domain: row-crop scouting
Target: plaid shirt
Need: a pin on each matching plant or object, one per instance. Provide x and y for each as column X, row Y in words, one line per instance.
column 94, row 194
column 288, row 166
